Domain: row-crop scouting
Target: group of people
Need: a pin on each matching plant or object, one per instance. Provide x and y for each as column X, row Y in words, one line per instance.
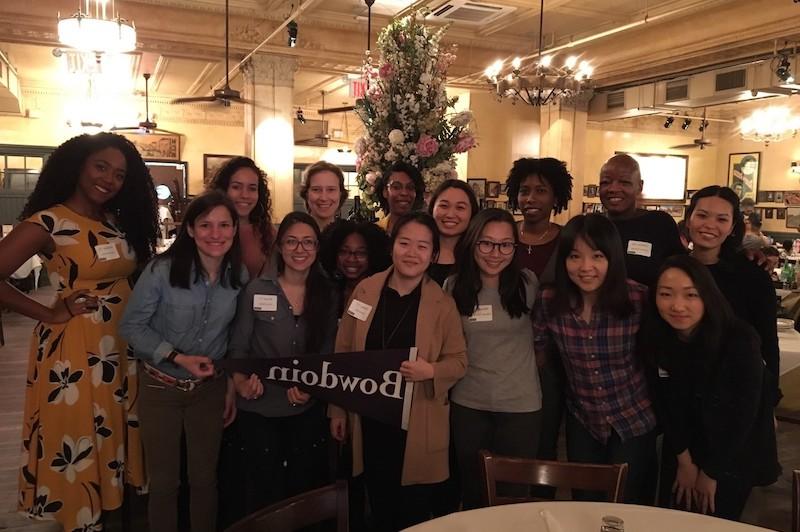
column 607, row 324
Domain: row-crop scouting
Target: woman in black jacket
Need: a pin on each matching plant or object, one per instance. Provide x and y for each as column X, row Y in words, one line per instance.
column 715, row 394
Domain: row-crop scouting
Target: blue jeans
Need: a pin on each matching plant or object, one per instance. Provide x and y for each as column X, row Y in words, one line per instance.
column 638, row 452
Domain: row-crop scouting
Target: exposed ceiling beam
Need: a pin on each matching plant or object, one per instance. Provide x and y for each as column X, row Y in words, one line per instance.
column 198, row 85
column 313, row 90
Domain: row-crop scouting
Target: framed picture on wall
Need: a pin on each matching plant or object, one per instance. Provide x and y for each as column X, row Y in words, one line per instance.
column 743, row 169
column 780, row 214
column 761, row 197
column 793, row 217
column 493, row 189
column 791, row 197
column 212, row 163
column 478, row 185
column 779, row 196
column 156, row 146
column 769, row 213
column 769, row 196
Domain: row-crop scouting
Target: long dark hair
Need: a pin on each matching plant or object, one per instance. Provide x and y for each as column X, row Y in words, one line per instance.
column 134, row 206
column 467, row 282
column 337, row 232
column 600, row 234
column 183, row 252
column 422, row 218
column 549, row 170
column 320, row 294
column 261, row 215
column 460, row 185
column 734, row 241
column 658, row 338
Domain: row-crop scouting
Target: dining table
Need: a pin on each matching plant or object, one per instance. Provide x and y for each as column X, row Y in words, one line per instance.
column 789, row 407
column 576, row 516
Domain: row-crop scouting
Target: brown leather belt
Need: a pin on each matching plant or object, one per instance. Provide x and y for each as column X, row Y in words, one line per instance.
column 184, row 385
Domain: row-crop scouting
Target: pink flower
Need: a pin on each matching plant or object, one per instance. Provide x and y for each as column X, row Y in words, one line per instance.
column 386, row 71
column 427, row 146
column 370, row 178
column 465, row 142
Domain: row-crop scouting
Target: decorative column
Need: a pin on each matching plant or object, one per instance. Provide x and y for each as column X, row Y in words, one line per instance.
column 563, row 136
column 268, row 125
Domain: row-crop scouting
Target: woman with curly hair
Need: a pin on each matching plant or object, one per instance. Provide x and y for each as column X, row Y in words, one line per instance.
column 400, row 190
column 92, row 217
column 246, row 185
column 323, row 191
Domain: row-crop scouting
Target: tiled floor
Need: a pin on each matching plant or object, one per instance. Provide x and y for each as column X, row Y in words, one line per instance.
column 768, row 507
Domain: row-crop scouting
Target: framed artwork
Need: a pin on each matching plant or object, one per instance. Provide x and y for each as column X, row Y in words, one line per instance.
column 780, row 214
column 592, row 192
column 770, row 196
column 761, row 197
column 690, row 193
column 793, row 217
column 493, row 189
column 779, row 196
column 676, row 211
column 212, row 163
column 743, row 169
column 478, row 185
column 791, row 197
column 491, row 204
column 769, row 213
column 588, row 208
column 156, row 146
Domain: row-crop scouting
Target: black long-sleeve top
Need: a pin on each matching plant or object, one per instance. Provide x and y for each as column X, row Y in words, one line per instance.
column 722, row 413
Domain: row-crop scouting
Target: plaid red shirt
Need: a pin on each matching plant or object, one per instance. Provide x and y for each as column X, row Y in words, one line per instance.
column 607, row 387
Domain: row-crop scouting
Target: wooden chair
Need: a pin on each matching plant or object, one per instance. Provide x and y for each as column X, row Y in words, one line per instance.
column 312, row 507
column 796, row 500
column 594, row 477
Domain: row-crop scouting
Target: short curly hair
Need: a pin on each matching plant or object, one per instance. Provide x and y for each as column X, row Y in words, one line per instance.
column 549, row 169
column 317, row 167
column 134, row 206
column 416, row 177
column 336, row 233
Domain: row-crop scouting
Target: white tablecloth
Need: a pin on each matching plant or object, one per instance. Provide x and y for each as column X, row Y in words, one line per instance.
column 789, row 343
column 569, row 516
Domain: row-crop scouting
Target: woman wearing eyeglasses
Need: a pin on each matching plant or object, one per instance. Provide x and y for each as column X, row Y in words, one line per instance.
column 496, row 406
column 401, row 192
column 291, row 313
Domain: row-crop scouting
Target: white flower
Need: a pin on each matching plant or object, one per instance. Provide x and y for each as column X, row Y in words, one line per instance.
column 88, row 521
column 63, row 383
column 361, row 146
column 425, row 78
column 73, row 458
column 396, row 136
column 461, row 119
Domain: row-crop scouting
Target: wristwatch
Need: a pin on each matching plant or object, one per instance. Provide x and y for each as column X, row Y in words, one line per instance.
column 171, row 357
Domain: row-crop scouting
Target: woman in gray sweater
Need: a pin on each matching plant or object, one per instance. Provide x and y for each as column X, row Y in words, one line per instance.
column 496, row 406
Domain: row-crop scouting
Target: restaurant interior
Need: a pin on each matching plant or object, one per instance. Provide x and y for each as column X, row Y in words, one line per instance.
column 695, row 89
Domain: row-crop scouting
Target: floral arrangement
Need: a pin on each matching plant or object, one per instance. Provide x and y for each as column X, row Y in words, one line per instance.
column 406, row 113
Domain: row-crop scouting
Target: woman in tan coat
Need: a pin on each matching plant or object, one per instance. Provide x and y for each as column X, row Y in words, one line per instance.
column 405, row 309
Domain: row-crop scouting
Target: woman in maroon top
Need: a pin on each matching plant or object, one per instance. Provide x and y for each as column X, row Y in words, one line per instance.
column 246, row 185
column 539, row 188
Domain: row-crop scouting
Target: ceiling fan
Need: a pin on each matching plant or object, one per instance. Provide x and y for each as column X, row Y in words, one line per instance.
column 226, row 94
column 696, row 143
column 147, row 126
column 323, row 137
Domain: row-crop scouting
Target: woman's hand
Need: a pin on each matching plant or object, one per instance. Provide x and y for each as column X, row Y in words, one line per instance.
column 416, row 370
column 683, row 487
column 338, row 426
column 705, row 491
column 199, row 366
column 75, row 304
column 248, row 387
column 229, row 413
column 297, row 397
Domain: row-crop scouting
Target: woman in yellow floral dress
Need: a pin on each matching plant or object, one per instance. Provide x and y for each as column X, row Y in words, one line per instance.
column 92, row 216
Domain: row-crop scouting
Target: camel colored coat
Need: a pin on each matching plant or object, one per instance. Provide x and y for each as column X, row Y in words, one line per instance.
column 440, row 341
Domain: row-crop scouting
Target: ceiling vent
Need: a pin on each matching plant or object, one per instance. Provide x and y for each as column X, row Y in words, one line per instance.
column 733, row 79
column 677, row 90
column 615, row 100
column 468, row 12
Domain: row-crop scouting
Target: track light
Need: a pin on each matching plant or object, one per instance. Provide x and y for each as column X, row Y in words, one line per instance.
column 686, row 123
column 299, row 116
column 703, row 125
column 291, row 28
column 784, row 70
column 668, row 122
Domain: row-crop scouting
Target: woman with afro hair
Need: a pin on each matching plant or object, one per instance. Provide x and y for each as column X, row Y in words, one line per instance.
column 92, row 217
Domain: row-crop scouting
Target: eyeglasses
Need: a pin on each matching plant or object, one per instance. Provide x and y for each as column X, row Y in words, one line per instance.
column 358, row 254
column 397, row 186
column 308, row 244
column 487, row 246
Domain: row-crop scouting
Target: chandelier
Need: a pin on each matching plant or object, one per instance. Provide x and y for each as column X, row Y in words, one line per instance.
column 541, row 83
column 772, row 124
column 97, row 29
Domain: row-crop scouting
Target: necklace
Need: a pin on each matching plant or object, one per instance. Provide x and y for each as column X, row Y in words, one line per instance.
column 536, row 240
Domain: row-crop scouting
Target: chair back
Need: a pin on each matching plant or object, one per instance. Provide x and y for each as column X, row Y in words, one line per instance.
column 796, row 500
column 309, row 508
column 609, row 479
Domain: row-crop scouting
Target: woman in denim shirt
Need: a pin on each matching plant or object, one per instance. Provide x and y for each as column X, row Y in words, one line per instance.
column 290, row 313
column 177, row 324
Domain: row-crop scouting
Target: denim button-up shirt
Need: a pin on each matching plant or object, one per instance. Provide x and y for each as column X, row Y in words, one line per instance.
column 160, row 317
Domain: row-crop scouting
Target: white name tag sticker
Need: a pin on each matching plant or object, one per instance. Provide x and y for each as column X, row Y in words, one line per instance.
column 106, row 252
column 662, row 373
column 359, row 310
column 7, row 229
column 643, row 249
column 265, row 303
column 483, row 313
